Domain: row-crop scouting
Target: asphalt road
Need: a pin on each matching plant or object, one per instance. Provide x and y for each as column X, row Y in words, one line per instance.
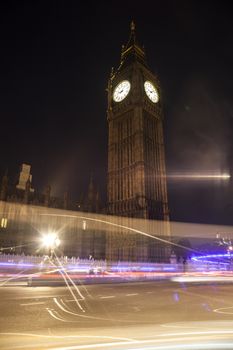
column 150, row 315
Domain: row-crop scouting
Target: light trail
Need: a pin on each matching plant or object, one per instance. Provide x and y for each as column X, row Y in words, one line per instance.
column 125, row 228
column 34, row 303
column 16, row 246
column 53, row 312
column 172, row 338
column 17, row 276
column 128, row 229
column 198, row 346
column 198, row 279
column 90, row 317
column 67, row 336
column 220, row 310
column 66, row 276
column 67, row 284
column 212, row 339
column 63, row 270
column 197, row 325
column 63, row 309
column 15, row 264
column 199, row 176
column 214, row 258
column 21, row 275
column 108, row 297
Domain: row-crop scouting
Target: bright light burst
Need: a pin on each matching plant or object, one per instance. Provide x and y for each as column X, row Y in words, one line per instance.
column 50, row 240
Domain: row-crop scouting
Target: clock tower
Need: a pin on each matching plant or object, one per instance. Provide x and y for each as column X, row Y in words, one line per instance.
column 136, row 162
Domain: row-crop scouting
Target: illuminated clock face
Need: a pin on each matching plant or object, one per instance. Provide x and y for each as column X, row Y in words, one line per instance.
column 151, row 91
column 121, row 91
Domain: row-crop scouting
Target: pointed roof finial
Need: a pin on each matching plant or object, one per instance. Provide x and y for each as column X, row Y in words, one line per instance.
column 132, row 50
column 132, row 26
column 132, row 39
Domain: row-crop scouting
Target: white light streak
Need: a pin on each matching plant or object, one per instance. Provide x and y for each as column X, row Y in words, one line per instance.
column 199, row 176
column 35, row 303
column 202, row 279
column 131, row 295
column 63, row 309
column 65, row 277
column 52, row 313
column 174, row 338
column 220, row 310
column 108, row 297
column 72, row 336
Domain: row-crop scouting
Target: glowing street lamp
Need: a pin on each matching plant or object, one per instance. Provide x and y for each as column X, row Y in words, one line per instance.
column 51, row 241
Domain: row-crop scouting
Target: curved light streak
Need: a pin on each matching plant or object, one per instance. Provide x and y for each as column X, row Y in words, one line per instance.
column 124, row 227
column 63, row 309
column 66, row 275
column 72, row 293
column 53, row 312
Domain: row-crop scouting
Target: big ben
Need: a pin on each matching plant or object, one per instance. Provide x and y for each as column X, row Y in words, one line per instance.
column 136, row 159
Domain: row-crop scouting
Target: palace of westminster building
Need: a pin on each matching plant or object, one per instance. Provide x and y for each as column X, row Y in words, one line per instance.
column 136, row 188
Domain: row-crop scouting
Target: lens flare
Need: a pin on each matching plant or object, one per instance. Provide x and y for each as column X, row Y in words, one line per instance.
column 50, row 240
column 197, row 176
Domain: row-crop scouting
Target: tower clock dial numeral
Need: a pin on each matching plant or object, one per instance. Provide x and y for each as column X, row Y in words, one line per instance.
column 121, row 91
column 151, row 91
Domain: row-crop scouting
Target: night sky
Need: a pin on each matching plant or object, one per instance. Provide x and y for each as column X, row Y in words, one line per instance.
column 56, row 57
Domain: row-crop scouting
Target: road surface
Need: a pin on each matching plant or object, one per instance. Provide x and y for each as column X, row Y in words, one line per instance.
column 149, row 315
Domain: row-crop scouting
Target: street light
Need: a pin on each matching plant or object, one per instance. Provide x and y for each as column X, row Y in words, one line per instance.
column 51, row 241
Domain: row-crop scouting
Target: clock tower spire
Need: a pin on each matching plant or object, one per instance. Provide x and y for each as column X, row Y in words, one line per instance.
column 132, row 51
column 136, row 161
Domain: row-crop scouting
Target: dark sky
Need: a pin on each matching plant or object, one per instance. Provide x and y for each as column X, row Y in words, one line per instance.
column 56, row 57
